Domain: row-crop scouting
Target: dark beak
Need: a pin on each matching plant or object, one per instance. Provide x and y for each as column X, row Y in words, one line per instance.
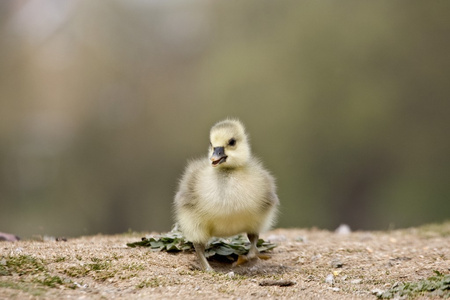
column 218, row 156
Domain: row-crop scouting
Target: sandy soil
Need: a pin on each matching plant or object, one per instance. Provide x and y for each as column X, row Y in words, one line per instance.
column 317, row 264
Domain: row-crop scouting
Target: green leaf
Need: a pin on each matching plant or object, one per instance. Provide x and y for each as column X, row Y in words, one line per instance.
column 438, row 285
column 174, row 241
column 225, row 251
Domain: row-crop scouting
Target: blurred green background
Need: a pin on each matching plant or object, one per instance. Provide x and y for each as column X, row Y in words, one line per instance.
column 103, row 102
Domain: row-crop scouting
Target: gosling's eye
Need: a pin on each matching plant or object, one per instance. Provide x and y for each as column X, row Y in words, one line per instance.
column 232, row 142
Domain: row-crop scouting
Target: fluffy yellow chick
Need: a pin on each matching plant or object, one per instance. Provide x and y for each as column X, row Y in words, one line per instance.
column 226, row 194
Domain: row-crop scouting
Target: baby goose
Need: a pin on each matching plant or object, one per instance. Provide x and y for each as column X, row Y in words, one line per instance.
column 227, row 194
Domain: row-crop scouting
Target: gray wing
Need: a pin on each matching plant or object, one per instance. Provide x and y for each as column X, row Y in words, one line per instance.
column 271, row 198
column 187, row 195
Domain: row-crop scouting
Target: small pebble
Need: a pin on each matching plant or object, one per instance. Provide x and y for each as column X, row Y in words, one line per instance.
column 253, row 269
column 81, row 286
column 230, row 274
column 329, row 279
column 343, row 229
column 301, row 239
column 316, row 257
column 356, row 281
column 336, row 263
column 377, row 292
column 8, row 237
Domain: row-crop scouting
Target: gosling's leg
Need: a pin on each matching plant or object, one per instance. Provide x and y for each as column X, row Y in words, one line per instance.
column 200, row 250
column 253, row 252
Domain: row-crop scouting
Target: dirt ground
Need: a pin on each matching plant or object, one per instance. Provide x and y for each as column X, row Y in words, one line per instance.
column 315, row 264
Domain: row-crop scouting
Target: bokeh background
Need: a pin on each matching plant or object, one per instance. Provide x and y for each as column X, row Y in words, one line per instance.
column 103, row 102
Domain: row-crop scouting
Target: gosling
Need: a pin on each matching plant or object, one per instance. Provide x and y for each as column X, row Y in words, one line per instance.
column 226, row 194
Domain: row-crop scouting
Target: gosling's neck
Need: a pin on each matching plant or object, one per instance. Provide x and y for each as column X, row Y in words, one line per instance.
column 229, row 170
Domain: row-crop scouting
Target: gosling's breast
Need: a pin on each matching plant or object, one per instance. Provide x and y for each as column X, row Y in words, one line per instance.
column 233, row 193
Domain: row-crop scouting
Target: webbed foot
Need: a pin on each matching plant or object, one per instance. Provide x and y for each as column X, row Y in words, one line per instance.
column 242, row 259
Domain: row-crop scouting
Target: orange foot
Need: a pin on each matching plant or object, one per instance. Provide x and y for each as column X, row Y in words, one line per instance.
column 242, row 259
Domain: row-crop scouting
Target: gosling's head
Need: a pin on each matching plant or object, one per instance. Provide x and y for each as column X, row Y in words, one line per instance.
column 229, row 146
